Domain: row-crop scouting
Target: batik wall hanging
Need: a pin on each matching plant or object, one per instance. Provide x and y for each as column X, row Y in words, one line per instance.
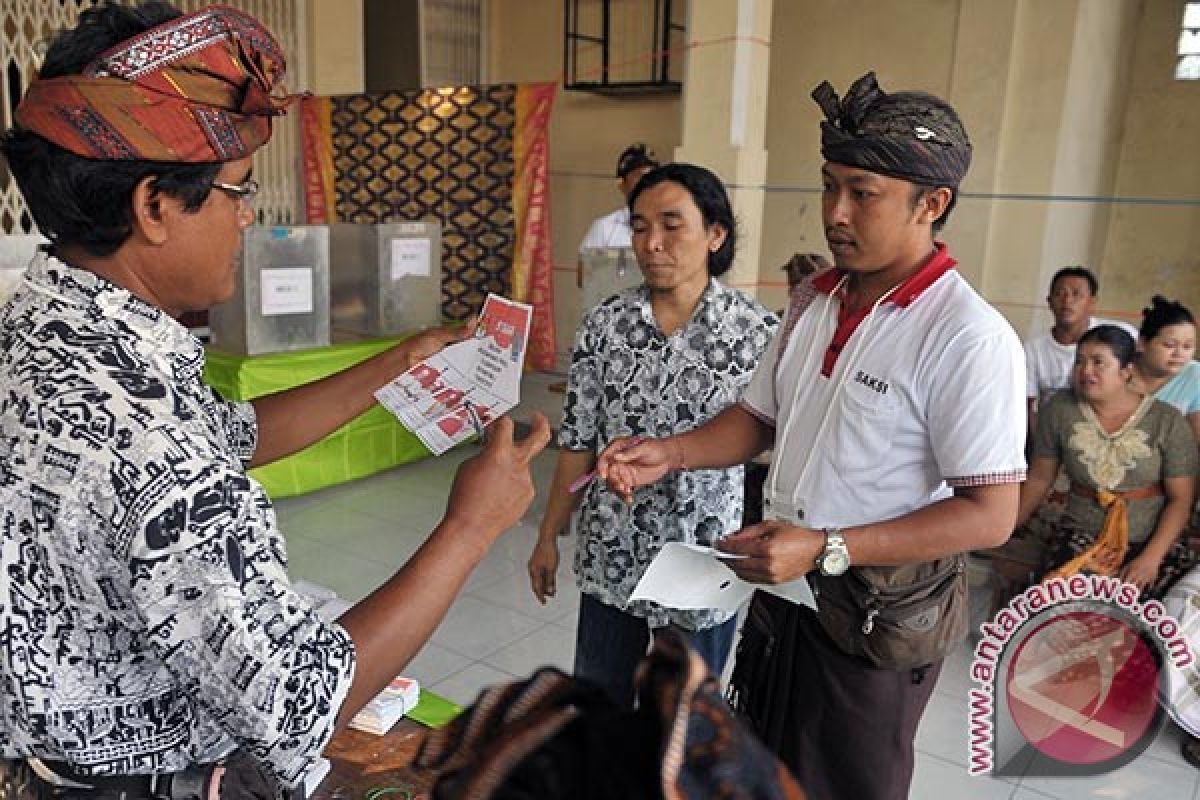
column 473, row 158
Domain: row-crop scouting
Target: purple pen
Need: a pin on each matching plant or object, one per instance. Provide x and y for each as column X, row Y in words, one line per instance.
column 582, row 481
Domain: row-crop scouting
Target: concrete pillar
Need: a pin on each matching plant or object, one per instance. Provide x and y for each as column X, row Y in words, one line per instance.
column 979, row 90
column 1055, row 74
column 725, row 112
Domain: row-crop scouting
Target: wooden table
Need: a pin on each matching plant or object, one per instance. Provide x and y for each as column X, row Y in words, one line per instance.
column 363, row 761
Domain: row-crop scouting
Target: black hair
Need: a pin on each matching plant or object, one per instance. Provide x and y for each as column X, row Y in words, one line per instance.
column 635, row 157
column 708, row 193
column 86, row 202
column 1076, row 271
column 895, row 114
column 919, row 191
column 1163, row 313
column 1115, row 338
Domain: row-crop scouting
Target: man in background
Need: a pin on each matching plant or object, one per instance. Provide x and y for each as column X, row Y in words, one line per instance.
column 613, row 230
column 1050, row 357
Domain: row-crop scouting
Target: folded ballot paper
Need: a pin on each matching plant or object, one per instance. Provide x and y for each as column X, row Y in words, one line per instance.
column 453, row 395
column 689, row 576
column 386, row 708
column 316, row 773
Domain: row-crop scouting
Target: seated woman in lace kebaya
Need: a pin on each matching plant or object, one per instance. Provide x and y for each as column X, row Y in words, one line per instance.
column 1132, row 461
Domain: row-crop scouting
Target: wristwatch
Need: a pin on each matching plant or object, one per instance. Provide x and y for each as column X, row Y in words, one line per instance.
column 835, row 558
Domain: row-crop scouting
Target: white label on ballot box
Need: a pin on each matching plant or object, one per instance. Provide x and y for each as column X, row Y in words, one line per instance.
column 410, row 257
column 287, row 290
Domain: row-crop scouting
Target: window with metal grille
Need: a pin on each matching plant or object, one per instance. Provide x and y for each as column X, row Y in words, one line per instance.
column 624, row 46
column 451, row 42
column 1187, row 68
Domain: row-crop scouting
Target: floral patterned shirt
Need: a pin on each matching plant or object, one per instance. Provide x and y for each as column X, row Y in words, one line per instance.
column 626, row 379
column 148, row 621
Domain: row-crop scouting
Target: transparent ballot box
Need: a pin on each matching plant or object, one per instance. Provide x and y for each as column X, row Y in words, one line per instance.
column 606, row 271
column 386, row 279
column 282, row 298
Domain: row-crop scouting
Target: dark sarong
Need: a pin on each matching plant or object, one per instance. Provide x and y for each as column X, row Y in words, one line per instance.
column 1179, row 560
column 843, row 727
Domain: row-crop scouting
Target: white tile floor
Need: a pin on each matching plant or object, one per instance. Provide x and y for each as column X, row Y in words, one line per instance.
column 351, row 538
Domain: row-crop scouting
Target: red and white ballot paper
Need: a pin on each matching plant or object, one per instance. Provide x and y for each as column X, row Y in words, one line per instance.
column 453, row 395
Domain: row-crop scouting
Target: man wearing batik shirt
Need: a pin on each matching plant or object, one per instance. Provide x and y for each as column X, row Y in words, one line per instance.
column 653, row 360
column 894, row 398
column 150, row 629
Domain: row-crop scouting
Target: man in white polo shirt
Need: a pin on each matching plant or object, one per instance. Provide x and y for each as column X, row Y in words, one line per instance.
column 1050, row 357
column 613, row 230
column 894, row 400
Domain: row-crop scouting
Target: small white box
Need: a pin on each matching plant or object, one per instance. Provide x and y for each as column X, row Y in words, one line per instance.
column 386, row 708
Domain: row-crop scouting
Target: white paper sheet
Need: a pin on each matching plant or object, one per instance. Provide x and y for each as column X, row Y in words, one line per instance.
column 687, row 576
column 411, row 257
column 286, row 290
column 451, row 396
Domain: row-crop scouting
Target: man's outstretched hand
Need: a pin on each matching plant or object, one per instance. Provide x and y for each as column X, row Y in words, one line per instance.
column 493, row 489
column 432, row 341
column 631, row 462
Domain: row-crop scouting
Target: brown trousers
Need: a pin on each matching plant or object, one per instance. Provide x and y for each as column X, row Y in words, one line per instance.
column 844, row 727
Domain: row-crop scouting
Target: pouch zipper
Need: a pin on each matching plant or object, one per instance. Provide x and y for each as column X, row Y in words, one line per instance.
column 875, row 604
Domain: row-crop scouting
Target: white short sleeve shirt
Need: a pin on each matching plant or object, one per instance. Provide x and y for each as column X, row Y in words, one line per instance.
column 1049, row 363
column 922, row 397
column 611, row 230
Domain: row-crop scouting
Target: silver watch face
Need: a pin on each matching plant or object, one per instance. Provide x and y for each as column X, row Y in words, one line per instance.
column 835, row 562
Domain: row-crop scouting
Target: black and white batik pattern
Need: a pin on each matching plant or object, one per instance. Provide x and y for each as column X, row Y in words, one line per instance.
column 146, row 617
column 628, row 379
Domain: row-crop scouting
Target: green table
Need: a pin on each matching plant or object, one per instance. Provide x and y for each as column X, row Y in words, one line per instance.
column 367, row 444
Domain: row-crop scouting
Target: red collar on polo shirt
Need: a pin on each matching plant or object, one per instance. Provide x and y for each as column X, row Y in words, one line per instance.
column 848, row 321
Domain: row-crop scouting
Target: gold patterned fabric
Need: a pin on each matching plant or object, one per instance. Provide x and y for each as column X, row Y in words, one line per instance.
column 434, row 154
column 475, row 159
column 1106, row 555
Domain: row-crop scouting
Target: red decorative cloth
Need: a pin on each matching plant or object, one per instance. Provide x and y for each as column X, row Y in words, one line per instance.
column 196, row 89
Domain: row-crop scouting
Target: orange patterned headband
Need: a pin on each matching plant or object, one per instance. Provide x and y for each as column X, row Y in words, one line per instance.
column 196, row 89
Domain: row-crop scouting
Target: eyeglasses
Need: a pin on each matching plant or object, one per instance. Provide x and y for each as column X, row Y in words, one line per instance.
column 239, row 191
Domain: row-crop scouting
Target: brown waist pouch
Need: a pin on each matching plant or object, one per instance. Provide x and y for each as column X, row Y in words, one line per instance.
column 895, row 617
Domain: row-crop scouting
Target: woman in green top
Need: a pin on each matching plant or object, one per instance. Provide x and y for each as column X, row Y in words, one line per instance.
column 1121, row 449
